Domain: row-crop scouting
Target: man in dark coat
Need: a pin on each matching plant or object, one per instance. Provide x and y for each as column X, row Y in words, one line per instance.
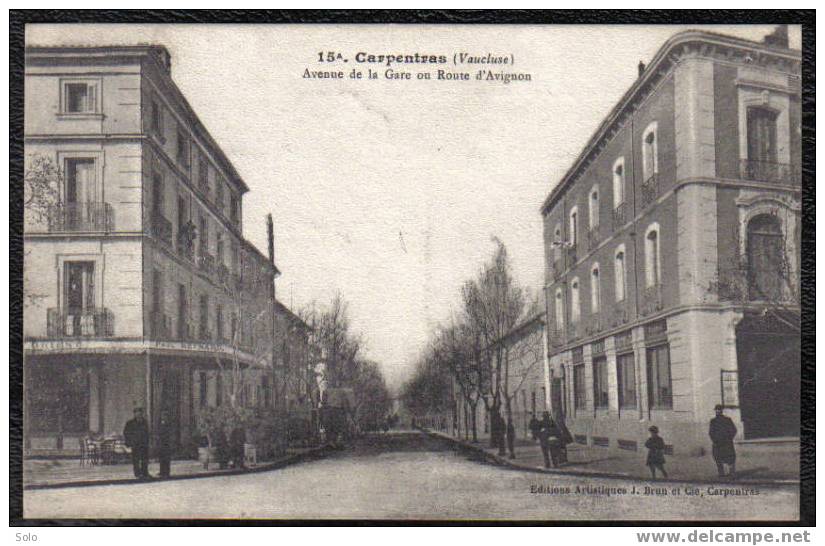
column 534, row 427
column 136, row 436
column 165, row 435
column 549, row 440
column 237, row 439
column 511, row 438
column 722, row 432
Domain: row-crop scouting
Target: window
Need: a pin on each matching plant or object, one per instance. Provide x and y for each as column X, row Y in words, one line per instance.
column 203, row 317
column 652, row 266
column 183, row 313
column 579, row 392
column 595, row 289
column 204, row 236
column 79, row 287
column 575, row 311
column 660, row 394
column 156, row 119
column 218, row 389
column 766, row 260
column 594, row 207
column 157, row 194
column 203, row 385
column 157, row 291
column 219, row 321
column 618, row 182
column 620, row 273
column 650, row 159
column 600, row 388
column 574, row 224
column 183, row 149
column 559, row 304
column 234, row 209
column 219, row 194
column 80, row 98
column 80, row 180
column 203, row 174
column 761, row 135
column 233, row 328
column 626, row 375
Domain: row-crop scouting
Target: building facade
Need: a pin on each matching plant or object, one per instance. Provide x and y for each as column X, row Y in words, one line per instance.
column 140, row 289
column 672, row 252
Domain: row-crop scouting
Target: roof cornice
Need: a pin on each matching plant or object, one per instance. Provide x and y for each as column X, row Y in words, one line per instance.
column 684, row 44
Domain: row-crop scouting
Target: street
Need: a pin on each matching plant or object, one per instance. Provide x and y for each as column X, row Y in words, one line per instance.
column 410, row 476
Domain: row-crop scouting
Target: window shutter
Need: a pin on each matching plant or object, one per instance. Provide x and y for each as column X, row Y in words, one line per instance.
column 91, row 98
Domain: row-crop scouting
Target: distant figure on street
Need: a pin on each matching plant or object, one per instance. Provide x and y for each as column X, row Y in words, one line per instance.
column 236, row 445
column 722, row 432
column 136, row 436
column 511, row 438
column 534, row 427
column 165, row 435
column 501, row 432
column 655, row 452
column 549, row 441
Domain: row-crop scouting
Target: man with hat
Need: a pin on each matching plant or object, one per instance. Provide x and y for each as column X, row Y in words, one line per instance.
column 722, row 432
column 136, row 435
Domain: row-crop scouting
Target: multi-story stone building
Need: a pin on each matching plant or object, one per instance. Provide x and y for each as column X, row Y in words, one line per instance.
column 139, row 285
column 672, row 251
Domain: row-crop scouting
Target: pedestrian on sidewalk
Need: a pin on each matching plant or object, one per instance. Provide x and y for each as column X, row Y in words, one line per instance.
column 722, row 432
column 136, row 437
column 655, row 452
column 549, row 440
column 165, row 434
column 237, row 439
column 534, row 427
column 511, row 437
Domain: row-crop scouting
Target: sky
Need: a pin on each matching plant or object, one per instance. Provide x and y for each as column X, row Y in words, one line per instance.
column 391, row 191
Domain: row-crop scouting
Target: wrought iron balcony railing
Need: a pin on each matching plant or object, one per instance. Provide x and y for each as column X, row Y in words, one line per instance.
column 222, row 273
column 204, row 334
column 79, row 217
column 650, row 190
column 572, row 255
column 184, row 330
column 651, row 300
column 206, row 263
column 78, row 323
column 185, row 245
column 619, row 216
column 618, row 314
column 594, row 325
column 556, row 337
column 162, row 228
column 786, row 174
column 558, row 269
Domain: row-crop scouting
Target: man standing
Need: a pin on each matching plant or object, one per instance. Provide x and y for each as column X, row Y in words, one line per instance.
column 534, row 427
column 136, row 435
column 722, row 432
column 511, row 437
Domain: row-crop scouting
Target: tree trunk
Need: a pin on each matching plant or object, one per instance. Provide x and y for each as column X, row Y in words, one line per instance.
column 473, row 420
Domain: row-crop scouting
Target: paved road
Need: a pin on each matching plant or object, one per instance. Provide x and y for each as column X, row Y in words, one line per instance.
column 403, row 476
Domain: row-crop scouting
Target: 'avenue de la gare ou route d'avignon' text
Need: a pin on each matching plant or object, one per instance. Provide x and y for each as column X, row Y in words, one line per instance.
column 482, row 63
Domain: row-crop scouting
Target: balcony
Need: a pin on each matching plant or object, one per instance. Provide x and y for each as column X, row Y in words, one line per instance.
column 574, row 331
column 572, row 256
column 162, row 228
column 185, row 243
column 80, row 217
column 222, row 273
column 159, row 325
column 618, row 314
column 184, row 330
column 204, row 334
column 619, row 216
column 593, row 237
column 206, row 262
column 785, row 174
column 650, row 190
column 594, row 325
column 558, row 269
column 556, row 337
column 651, row 300
column 79, row 323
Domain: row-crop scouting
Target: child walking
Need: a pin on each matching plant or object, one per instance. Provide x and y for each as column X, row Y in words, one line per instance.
column 655, row 452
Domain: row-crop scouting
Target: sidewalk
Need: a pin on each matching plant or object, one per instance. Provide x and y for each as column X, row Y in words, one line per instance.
column 54, row 473
column 754, row 465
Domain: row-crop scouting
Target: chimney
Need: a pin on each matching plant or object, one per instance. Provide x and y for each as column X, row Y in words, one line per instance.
column 270, row 238
column 641, row 68
column 778, row 38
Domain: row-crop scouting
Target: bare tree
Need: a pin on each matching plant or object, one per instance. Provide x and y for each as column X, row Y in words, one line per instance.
column 42, row 183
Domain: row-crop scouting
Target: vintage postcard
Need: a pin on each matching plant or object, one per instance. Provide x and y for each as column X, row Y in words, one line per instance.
column 412, row 272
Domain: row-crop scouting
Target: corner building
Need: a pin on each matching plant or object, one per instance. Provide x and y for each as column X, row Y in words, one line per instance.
column 139, row 285
column 672, row 252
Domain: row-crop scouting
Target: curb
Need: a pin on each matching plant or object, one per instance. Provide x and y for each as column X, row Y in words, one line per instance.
column 312, row 454
column 504, row 461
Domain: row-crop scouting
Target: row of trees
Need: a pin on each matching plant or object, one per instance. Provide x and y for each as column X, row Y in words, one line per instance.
column 467, row 357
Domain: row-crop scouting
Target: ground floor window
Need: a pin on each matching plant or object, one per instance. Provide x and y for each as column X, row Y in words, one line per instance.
column 626, row 374
column 659, row 380
column 579, row 392
column 600, row 388
column 58, row 398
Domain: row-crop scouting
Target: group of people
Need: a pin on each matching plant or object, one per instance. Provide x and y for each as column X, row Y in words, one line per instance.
column 552, row 437
column 722, row 431
column 137, row 438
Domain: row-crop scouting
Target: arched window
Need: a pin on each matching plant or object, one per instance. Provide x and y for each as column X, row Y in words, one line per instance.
column 620, row 273
column 618, row 182
column 650, row 155
column 574, row 225
column 652, row 263
column 557, row 241
column 766, row 259
column 595, row 289
column 559, row 308
column 593, row 204
column 575, row 309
